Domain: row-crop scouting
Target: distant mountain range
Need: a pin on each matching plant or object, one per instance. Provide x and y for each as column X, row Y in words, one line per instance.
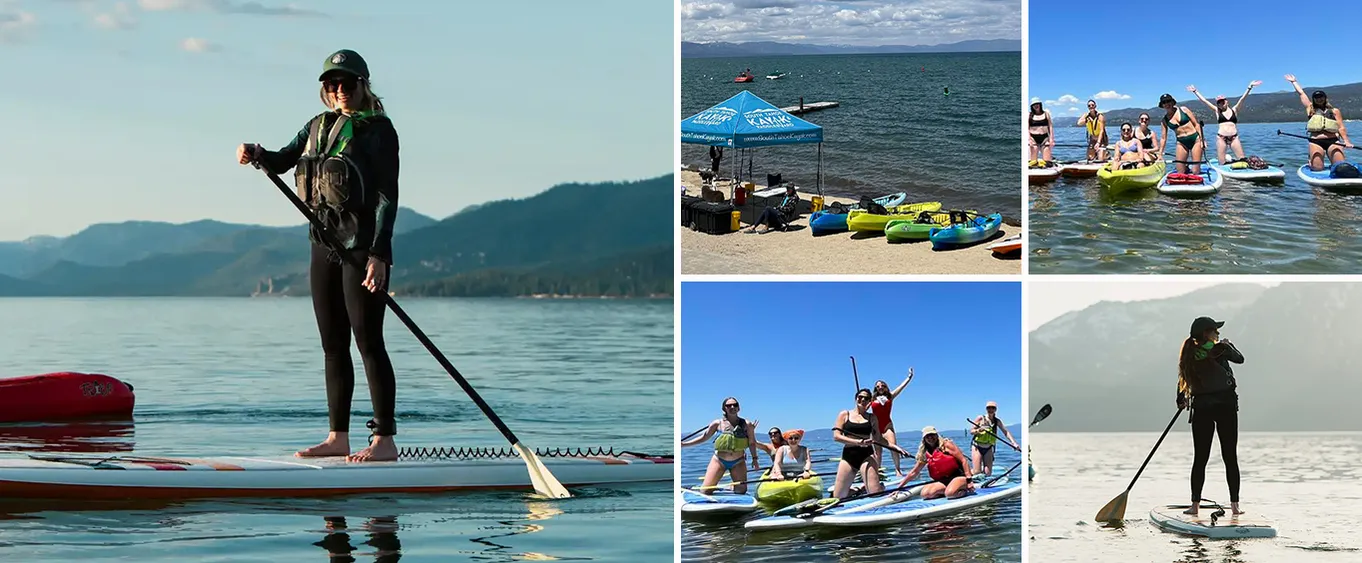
column 1260, row 107
column 579, row 235
column 1112, row 367
column 771, row 48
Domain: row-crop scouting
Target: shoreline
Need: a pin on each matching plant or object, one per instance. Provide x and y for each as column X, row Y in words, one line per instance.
column 798, row 252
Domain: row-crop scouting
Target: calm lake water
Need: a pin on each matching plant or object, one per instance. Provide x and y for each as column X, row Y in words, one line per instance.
column 1311, row 500
column 1076, row 227
column 243, row 377
column 896, row 129
column 986, row 533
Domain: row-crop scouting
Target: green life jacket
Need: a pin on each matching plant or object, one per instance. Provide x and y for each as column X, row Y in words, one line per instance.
column 326, row 175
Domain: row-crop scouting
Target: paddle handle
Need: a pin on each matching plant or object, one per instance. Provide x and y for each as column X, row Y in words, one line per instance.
column 1156, row 448
column 334, row 244
column 855, row 375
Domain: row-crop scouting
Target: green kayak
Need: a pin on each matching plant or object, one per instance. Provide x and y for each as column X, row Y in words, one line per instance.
column 919, row 228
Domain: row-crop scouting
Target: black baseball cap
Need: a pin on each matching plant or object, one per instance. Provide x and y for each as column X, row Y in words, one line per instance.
column 1203, row 324
column 1166, row 99
column 1319, row 94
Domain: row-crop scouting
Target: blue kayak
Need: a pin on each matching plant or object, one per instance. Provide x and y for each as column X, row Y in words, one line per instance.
column 972, row 231
column 824, row 222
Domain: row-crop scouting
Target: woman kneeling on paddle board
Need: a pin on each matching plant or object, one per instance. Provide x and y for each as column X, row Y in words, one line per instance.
column 857, row 429
column 792, row 458
column 946, row 465
column 347, row 170
column 735, row 435
column 882, row 407
column 1227, row 121
column 1325, row 126
column 1205, row 376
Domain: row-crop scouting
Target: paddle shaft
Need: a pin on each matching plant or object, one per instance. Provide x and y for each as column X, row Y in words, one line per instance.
column 1156, row 448
column 693, row 434
column 995, row 434
column 331, row 242
column 857, row 376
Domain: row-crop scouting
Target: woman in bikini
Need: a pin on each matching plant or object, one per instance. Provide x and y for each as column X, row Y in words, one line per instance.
column 1149, row 139
column 858, row 431
column 946, row 465
column 1096, row 124
column 1325, row 127
column 1227, row 120
column 1129, row 151
column 882, row 406
column 1191, row 143
column 1040, row 126
column 735, row 435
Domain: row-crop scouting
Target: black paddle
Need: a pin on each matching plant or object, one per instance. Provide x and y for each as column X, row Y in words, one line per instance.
column 1041, row 415
column 1280, row 132
column 1115, row 510
column 540, row 477
column 855, row 375
column 693, row 434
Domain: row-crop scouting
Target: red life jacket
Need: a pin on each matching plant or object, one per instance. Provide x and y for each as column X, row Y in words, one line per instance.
column 941, row 465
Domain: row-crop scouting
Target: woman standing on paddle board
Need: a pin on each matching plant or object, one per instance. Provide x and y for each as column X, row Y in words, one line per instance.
column 857, row 430
column 945, row 464
column 882, row 407
column 1227, row 120
column 735, row 435
column 1187, row 128
column 1206, row 385
column 1325, row 126
column 347, row 170
column 1041, row 128
column 1096, row 125
column 985, row 442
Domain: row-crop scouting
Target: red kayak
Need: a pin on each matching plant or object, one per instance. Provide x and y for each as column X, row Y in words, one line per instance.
column 64, row 395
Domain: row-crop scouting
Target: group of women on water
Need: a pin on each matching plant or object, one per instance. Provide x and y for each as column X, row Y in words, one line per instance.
column 864, row 431
column 1140, row 145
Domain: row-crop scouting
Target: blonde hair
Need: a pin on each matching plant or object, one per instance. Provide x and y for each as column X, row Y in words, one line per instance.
column 1185, row 359
column 371, row 102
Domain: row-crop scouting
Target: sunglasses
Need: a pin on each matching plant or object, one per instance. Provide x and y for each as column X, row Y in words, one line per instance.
column 731, row 406
column 1144, row 119
column 863, row 398
column 347, row 83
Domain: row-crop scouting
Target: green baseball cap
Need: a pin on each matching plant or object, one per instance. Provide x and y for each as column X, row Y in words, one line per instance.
column 346, row 60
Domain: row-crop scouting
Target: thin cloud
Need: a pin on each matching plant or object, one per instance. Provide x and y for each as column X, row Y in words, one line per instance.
column 857, row 23
column 119, row 18
column 15, row 25
column 227, row 7
column 199, row 45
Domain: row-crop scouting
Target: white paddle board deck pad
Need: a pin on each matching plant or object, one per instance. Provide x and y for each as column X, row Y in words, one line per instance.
column 1171, row 518
column 125, row 476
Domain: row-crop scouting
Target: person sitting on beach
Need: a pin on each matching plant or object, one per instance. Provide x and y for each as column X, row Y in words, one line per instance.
column 1129, row 151
column 776, row 218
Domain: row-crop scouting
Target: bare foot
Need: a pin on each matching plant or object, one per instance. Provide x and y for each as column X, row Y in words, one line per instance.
column 335, row 444
column 1191, row 511
column 382, row 449
column 1234, row 508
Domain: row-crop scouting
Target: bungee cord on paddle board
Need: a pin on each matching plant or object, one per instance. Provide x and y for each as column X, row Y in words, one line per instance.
column 498, row 453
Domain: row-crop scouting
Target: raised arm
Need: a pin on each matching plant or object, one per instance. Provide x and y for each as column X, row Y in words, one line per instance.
column 752, row 444
column 899, row 389
column 1192, row 89
column 1246, row 93
column 1305, row 100
column 1228, row 351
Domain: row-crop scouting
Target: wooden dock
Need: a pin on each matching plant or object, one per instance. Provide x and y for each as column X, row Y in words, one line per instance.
column 806, row 108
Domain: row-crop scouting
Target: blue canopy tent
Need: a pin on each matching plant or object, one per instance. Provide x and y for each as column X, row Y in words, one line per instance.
column 746, row 121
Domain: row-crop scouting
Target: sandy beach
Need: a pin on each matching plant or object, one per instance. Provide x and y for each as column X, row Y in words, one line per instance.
column 798, row 252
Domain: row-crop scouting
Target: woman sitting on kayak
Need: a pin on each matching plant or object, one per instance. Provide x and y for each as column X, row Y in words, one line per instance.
column 1096, row 124
column 1184, row 124
column 734, row 436
column 858, row 430
column 1129, row 151
column 1325, row 127
column 792, row 459
column 1041, row 128
column 1149, row 140
column 1206, row 386
column 945, row 464
column 777, row 440
column 1227, row 119
column 882, row 406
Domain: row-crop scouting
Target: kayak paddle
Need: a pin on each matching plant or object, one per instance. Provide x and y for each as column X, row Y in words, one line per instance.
column 544, row 482
column 1280, row 132
column 1115, row 511
column 995, row 435
column 1043, row 414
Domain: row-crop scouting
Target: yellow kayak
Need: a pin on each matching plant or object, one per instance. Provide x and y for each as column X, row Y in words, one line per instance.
column 779, row 494
column 1131, row 179
column 863, row 221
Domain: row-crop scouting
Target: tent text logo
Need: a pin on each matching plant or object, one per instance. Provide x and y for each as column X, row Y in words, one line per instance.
column 768, row 118
column 714, row 116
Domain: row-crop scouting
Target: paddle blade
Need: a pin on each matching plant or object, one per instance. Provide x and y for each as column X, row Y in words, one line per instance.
column 1114, row 511
column 544, row 482
column 1042, row 415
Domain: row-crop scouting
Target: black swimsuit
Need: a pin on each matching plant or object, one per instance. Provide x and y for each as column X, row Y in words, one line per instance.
column 1042, row 122
column 856, row 455
column 1234, row 118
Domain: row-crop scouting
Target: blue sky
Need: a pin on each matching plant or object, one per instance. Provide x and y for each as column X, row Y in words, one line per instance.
column 783, row 350
column 850, row 22
column 133, row 109
column 1219, row 48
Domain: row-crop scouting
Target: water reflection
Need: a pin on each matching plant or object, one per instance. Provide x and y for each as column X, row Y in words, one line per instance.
column 81, row 437
column 381, row 534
